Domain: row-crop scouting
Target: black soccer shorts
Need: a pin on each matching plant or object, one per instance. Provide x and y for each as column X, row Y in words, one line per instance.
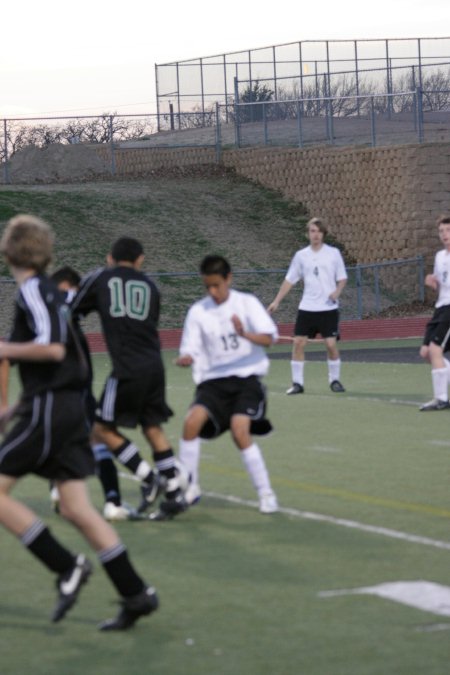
column 49, row 438
column 313, row 323
column 228, row 396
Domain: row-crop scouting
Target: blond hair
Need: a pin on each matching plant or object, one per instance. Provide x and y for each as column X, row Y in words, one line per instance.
column 319, row 224
column 27, row 242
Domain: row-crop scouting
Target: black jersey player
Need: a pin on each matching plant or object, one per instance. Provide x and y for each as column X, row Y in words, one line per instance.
column 49, row 434
column 128, row 303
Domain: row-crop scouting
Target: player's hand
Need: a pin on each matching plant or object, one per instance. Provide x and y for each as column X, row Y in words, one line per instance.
column 432, row 282
column 272, row 307
column 184, row 361
column 238, row 326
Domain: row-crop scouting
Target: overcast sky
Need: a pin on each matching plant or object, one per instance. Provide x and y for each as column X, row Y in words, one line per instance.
column 94, row 56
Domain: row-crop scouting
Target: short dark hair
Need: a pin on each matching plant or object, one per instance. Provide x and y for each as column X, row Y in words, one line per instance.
column 443, row 220
column 68, row 274
column 215, row 264
column 126, row 249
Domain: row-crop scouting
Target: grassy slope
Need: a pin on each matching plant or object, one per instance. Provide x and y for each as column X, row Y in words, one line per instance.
column 179, row 220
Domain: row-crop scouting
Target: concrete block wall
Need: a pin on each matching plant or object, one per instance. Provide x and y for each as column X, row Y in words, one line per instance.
column 381, row 203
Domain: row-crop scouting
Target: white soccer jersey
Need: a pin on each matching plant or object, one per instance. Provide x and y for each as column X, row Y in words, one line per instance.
column 320, row 271
column 442, row 273
column 210, row 338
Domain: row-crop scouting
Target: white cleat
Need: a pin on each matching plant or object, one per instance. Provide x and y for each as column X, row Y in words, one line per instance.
column 268, row 502
column 192, row 494
column 124, row 511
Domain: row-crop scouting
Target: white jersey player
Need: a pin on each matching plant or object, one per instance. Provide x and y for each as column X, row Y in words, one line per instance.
column 322, row 270
column 223, row 340
column 437, row 334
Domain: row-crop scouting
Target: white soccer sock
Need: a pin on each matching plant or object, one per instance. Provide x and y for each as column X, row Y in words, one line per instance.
column 297, row 371
column 334, row 370
column 440, row 383
column 256, row 468
column 189, row 455
column 447, row 365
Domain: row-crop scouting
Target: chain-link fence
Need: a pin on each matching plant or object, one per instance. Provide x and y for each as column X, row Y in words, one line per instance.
column 300, row 70
column 370, row 290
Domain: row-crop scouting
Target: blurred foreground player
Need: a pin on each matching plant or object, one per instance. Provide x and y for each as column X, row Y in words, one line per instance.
column 49, row 433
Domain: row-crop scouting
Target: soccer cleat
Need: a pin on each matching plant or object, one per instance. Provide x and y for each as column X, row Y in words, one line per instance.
column 337, row 387
column 435, row 404
column 115, row 512
column 132, row 609
column 268, row 502
column 295, row 389
column 193, row 494
column 69, row 585
column 170, row 508
column 150, row 492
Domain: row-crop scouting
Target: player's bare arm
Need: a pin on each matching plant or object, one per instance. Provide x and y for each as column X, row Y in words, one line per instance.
column 284, row 290
column 262, row 339
column 32, row 351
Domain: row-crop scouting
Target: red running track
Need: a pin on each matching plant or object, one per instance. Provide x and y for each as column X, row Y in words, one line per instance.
column 364, row 329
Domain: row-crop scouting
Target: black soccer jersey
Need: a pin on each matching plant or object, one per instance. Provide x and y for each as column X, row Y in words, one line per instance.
column 42, row 316
column 128, row 303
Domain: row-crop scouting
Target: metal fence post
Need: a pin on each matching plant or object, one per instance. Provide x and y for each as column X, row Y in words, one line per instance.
column 372, row 122
column 419, row 114
column 237, row 129
column 358, row 292
column 421, row 278
column 264, row 116
column 5, row 158
column 113, row 156
column 218, row 135
column 299, row 125
column 376, row 274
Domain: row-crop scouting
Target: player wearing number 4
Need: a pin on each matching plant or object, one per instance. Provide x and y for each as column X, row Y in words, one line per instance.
column 324, row 276
column 128, row 303
column 223, row 339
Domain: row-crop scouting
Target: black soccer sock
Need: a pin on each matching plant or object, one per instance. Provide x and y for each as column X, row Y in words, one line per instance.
column 40, row 542
column 129, row 455
column 107, row 473
column 165, row 463
column 118, row 567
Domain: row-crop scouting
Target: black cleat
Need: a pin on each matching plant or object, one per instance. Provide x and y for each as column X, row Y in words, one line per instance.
column 170, row 508
column 132, row 609
column 435, row 404
column 337, row 387
column 295, row 389
column 150, row 491
column 69, row 585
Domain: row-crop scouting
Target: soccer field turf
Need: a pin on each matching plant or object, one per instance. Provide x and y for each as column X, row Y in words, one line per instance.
column 351, row 577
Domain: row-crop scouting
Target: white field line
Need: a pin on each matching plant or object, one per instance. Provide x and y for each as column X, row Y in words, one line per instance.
column 320, row 517
column 341, row 522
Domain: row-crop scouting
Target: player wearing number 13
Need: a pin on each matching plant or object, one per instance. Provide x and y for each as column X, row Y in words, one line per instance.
column 128, row 303
column 223, row 339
